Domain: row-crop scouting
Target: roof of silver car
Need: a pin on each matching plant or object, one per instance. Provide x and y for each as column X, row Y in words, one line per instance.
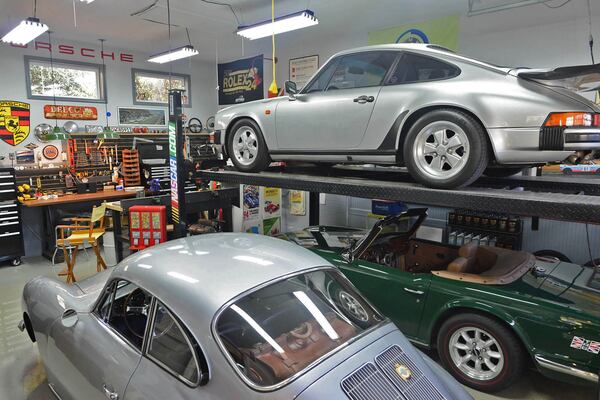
column 431, row 49
column 199, row 274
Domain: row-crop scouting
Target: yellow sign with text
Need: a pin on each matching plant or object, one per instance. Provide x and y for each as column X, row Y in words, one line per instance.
column 442, row 31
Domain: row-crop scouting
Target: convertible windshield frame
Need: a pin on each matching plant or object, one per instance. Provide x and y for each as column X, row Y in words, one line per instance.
column 317, row 361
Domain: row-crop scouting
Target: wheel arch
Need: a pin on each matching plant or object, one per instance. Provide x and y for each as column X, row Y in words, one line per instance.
column 482, row 309
column 415, row 115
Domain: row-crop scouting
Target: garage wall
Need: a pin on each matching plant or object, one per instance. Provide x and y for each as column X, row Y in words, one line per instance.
column 118, row 80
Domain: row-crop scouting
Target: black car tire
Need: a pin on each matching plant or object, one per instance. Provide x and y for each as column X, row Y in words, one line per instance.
column 262, row 159
column 477, row 160
column 502, row 172
column 511, row 348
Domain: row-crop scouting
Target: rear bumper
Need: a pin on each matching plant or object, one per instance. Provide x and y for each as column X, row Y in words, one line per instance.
column 522, row 146
column 568, row 370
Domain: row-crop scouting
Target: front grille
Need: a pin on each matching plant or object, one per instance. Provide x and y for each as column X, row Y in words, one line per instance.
column 418, row 386
column 552, row 138
column 368, row 383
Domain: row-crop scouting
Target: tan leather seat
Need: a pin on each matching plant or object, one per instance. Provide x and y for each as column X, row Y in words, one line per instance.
column 466, row 261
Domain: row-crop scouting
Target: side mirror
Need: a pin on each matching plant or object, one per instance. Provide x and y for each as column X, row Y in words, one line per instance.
column 69, row 318
column 291, row 88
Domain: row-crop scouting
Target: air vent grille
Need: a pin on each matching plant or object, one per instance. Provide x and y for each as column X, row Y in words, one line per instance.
column 368, row 383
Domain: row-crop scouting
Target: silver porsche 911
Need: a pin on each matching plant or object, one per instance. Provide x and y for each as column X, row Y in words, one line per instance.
column 223, row 316
column 446, row 117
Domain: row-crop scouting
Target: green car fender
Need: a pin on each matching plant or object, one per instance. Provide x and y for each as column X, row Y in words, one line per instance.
column 465, row 305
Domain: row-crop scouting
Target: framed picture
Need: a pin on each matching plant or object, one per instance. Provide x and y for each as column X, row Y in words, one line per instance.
column 302, row 69
column 142, row 116
column 25, row 157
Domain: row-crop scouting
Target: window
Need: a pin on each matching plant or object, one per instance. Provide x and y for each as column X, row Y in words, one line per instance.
column 67, row 80
column 278, row 331
column 415, row 68
column 320, row 83
column 361, row 70
column 152, row 88
column 172, row 348
column 125, row 308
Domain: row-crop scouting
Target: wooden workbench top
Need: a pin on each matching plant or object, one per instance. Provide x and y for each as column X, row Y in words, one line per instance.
column 79, row 198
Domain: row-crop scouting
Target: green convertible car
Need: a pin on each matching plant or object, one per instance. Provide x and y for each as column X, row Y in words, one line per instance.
column 488, row 311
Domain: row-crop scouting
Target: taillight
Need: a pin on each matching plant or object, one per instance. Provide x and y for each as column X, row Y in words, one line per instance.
column 573, row 119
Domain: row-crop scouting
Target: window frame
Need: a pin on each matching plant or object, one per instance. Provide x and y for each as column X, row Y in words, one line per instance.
column 101, row 69
column 386, row 76
column 322, row 70
column 402, row 56
column 202, row 372
column 160, row 74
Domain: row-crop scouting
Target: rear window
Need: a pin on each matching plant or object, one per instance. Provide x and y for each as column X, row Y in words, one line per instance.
column 278, row 331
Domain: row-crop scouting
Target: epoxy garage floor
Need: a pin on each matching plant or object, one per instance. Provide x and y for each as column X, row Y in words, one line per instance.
column 22, row 375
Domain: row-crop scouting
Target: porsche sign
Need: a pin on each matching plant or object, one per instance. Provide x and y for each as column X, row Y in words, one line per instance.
column 14, row 121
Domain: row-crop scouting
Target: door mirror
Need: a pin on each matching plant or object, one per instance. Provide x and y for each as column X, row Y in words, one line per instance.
column 291, row 88
column 69, row 318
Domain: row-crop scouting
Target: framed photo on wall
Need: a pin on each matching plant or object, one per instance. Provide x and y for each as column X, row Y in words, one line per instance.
column 142, row 116
column 302, row 69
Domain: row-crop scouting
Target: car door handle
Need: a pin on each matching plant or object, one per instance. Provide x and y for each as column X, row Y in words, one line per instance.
column 419, row 292
column 109, row 393
column 364, row 99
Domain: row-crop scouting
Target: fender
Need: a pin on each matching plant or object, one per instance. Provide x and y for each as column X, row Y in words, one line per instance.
column 468, row 303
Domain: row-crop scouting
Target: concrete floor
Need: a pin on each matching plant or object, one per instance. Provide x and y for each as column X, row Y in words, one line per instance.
column 22, row 375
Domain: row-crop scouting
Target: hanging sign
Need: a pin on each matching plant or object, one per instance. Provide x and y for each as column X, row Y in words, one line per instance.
column 241, row 81
column 86, row 113
column 14, row 121
column 442, row 31
column 50, row 152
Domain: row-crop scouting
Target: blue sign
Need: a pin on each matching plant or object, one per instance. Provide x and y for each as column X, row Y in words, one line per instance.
column 413, row 36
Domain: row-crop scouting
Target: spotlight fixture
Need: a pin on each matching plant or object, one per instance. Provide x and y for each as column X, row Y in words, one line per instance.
column 175, row 54
column 25, row 32
column 286, row 23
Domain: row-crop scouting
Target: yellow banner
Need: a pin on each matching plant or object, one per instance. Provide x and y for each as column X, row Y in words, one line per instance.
column 442, row 31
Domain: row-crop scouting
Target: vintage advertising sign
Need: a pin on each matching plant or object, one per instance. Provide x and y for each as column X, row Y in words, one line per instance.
column 442, row 31
column 14, row 121
column 85, row 113
column 50, row 152
column 302, row 69
column 173, row 169
column 241, row 81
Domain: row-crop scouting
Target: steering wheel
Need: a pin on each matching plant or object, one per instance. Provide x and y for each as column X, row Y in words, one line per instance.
column 195, row 125
column 136, row 303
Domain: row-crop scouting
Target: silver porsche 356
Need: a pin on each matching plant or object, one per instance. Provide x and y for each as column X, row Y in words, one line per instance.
column 223, row 316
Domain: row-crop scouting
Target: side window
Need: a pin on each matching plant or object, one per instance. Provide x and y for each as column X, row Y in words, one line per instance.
column 415, row 68
column 174, row 349
column 125, row 309
column 320, row 83
column 362, row 70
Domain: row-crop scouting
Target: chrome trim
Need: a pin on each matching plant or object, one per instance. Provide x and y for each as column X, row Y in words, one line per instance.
column 572, row 146
column 583, row 130
column 310, row 366
column 51, row 386
column 566, row 369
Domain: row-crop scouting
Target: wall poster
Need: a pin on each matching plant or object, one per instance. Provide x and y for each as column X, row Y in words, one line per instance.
column 241, row 81
column 136, row 116
column 442, row 31
column 302, row 69
column 297, row 202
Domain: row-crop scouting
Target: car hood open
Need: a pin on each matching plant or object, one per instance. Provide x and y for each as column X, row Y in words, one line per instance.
column 580, row 78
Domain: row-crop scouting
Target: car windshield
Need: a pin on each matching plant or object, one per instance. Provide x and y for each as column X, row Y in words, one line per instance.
column 278, row 331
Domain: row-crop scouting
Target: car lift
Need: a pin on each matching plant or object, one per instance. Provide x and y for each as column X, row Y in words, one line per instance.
column 550, row 197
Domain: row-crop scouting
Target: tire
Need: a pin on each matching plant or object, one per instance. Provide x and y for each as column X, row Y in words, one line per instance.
column 458, row 137
column 567, row 171
column 552, row 254
column 246, row 147
column 510, row 363
column 503, row 172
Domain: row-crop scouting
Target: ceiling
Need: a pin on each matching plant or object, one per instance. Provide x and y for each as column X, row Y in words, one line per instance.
column 211, row 25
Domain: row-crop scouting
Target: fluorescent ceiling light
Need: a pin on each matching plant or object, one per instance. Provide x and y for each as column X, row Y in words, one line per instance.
column 25, row 32
column 86, row 1
column 299, row 20
column 175, row 54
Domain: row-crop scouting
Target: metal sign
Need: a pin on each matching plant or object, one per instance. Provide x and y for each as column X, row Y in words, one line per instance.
column 14, row 121
column 70, row 112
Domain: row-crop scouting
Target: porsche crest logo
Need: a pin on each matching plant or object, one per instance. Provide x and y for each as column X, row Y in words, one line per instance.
column 14, row 121
column 403, row 372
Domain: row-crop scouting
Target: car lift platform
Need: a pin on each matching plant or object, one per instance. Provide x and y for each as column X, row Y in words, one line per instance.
column 569, row 198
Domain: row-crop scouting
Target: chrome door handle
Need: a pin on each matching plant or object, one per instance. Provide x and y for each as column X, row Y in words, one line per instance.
column 419, row 292
column 109, row 393
column 364, row 99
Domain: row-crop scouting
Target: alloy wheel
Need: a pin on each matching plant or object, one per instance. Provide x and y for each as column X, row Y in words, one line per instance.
column 441, row 149
column 245, row 145
column 353, row 306
column 476, row 353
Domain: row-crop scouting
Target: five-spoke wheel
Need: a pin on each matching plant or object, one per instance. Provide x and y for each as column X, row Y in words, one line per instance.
column 246, row 146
